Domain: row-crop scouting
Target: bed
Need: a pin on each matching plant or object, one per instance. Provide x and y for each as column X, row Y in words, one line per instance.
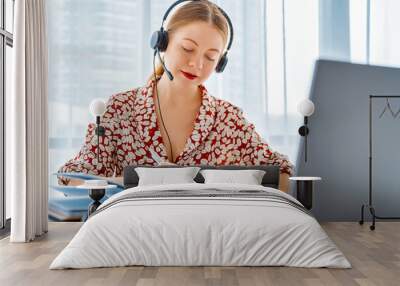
column 201, row 224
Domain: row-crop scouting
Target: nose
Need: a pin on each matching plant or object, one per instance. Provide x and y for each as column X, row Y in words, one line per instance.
column 197, row 62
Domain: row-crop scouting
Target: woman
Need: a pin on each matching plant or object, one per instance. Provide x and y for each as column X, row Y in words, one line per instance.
column 193, row 126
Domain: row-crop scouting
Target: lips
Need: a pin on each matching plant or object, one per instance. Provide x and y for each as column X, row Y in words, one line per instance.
column 188, row 75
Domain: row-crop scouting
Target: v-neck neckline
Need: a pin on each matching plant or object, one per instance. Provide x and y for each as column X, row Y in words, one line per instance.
column 149, row 130
column 188, row 140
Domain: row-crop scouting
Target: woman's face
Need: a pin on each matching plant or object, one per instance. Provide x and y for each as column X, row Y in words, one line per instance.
column 193, row 49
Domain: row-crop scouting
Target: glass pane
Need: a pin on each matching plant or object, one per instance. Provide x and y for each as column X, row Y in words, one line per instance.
column 1, row 14
column 10, row 15
column 2, row 108
column 8, row 69
column 384, row 41
column 358, row 31
column 302, row 35
column 84, row 36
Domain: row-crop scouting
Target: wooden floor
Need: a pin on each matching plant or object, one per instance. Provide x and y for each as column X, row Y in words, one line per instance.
column 375, row 257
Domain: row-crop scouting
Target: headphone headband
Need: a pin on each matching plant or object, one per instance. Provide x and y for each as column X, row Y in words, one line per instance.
column 219, row 8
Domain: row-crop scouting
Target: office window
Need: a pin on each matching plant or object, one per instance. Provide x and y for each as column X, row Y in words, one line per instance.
column 6, row 43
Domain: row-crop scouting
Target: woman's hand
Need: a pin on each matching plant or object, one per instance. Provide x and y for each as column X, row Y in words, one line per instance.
column 76, row 182
column 69, row 182
column 284, row 182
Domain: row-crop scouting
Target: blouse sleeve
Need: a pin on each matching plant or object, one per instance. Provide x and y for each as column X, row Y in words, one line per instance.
column 255, row 151
column 86, row 159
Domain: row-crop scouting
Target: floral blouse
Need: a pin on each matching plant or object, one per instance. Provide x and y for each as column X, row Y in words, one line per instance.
column 221, row 136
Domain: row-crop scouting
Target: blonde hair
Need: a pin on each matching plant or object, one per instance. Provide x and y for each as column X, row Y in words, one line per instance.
column 203, row 11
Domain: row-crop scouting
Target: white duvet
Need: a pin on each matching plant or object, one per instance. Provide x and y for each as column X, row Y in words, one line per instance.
column 200, row 231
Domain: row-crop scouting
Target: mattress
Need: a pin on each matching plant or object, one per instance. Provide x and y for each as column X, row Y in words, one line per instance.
column 201, row 225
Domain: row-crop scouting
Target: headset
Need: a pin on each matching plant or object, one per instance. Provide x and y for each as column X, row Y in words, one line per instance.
column 159, row 42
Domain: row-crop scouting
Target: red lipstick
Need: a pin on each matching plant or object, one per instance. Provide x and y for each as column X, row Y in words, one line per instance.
column 189, row 75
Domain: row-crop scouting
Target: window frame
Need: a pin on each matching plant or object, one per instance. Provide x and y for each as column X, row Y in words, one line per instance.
column 6, row 39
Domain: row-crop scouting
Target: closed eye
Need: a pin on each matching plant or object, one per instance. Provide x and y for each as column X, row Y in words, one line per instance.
column 187, row 50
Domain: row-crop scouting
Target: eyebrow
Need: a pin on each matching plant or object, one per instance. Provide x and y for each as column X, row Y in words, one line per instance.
column 193, row 41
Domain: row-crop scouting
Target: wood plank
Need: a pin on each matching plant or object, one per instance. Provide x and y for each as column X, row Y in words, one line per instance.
column 374, row 255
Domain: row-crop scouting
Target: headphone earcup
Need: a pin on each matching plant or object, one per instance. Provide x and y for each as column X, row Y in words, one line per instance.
column 222, row 64
column 159, row 40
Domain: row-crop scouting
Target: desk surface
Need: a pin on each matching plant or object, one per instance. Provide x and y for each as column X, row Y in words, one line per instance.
column 305, row 178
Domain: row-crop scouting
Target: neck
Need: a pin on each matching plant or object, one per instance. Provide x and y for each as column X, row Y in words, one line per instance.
column 177, row 92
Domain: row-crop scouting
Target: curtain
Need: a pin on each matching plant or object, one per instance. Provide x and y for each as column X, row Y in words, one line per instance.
column 29, row 151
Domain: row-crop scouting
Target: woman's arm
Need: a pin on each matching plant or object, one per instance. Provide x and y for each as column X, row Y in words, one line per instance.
column 86, row 160
column 256, row 151
column 284, row 182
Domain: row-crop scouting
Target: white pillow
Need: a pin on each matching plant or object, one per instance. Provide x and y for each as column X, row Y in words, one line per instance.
column 249, row 177
column 162, row 176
